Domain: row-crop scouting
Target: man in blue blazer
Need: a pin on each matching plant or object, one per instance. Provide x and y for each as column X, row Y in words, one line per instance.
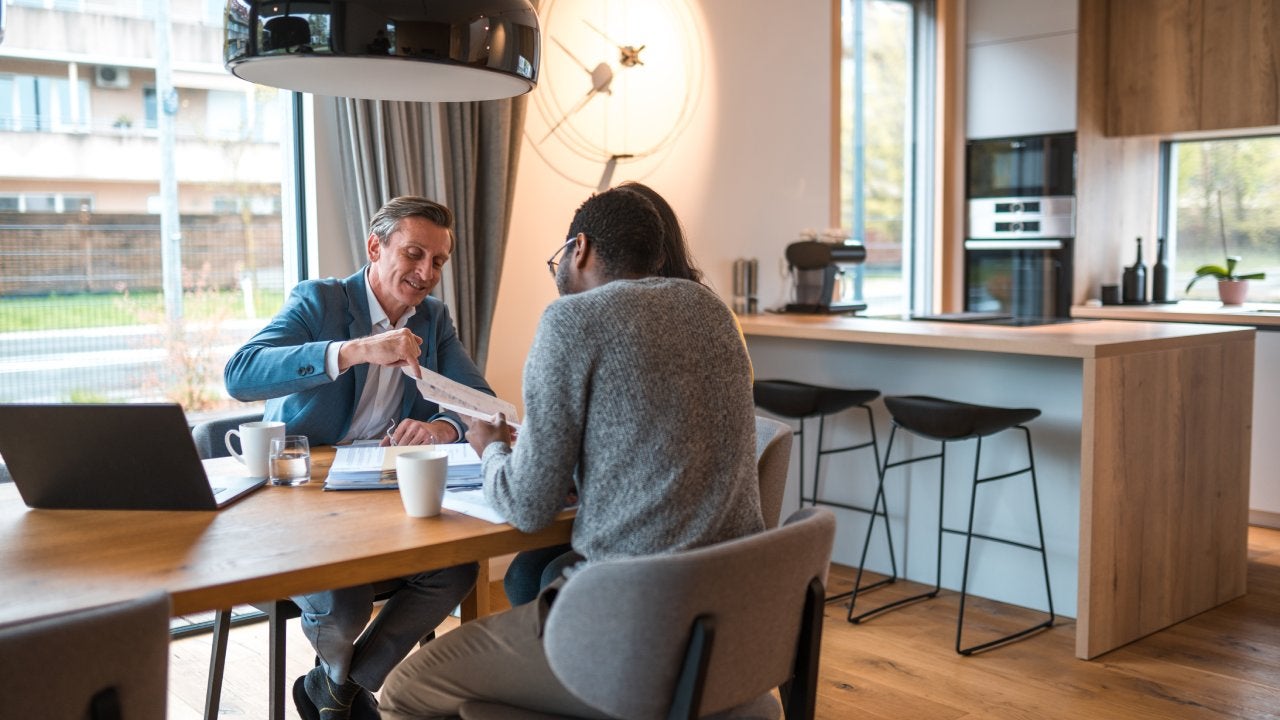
column 329, row 366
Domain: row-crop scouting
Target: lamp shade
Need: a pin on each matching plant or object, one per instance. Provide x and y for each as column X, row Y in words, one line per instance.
column 423, row 50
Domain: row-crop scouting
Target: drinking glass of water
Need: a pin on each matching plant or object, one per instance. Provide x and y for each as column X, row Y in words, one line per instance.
column 290, row 460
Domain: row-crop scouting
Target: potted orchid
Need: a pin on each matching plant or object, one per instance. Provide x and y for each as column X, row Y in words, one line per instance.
column 1233, row 287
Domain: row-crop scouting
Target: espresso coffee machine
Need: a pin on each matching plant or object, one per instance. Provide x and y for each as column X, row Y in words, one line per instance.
column 823, row 276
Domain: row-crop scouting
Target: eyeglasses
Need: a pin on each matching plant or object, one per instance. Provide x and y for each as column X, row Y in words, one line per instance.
column 558, row 255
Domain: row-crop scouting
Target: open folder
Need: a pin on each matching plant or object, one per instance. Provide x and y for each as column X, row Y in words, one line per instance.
column 455, row 396
column 373, row 467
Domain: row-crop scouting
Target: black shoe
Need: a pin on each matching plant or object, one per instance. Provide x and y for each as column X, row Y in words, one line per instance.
column 365, row 707
column 306, row 708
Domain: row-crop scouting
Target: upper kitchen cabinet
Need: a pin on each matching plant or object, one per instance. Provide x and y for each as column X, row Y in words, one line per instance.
column 1020, row 67
column 1187, row 65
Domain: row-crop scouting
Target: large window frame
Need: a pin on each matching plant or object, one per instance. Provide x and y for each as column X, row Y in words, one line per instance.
column 1210, row 248
column 918, row 156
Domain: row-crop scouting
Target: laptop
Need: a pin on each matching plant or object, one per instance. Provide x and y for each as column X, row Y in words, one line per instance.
column 111, row 457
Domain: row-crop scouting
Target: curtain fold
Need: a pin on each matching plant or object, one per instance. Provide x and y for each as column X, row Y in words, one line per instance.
column 462, row 154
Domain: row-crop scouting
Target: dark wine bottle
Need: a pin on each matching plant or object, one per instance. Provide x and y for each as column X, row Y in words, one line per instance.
column 1135, row 281
column 1160, row 276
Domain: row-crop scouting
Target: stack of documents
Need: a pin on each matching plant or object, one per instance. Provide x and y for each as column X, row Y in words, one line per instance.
column 369, row 467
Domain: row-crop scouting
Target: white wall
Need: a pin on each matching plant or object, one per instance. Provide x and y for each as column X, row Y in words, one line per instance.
column 748, row 174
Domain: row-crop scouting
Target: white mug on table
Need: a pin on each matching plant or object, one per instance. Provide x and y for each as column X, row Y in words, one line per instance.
column 421, row 475
column 255, row 443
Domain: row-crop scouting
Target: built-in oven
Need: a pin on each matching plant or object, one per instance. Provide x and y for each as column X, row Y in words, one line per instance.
column 1020, row 227
column 1025, row 278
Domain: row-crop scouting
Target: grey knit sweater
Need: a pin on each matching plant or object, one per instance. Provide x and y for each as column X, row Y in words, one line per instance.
column 643, row 388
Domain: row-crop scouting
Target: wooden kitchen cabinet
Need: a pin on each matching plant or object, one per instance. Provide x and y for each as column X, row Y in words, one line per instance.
column 1188, row 65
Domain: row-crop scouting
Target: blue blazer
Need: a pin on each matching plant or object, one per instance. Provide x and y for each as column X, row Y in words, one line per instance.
column 284, row 363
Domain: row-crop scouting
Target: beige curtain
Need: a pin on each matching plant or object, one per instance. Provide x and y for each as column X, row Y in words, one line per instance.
column 462, row 154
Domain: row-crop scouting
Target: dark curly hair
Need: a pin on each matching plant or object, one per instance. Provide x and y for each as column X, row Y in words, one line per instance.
column 677, row 262
column 625, row 230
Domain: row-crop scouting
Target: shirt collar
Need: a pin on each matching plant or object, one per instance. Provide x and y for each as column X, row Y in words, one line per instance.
column 378, row 316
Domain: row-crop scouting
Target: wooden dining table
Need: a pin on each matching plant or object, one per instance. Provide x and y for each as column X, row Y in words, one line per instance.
column 277, row 542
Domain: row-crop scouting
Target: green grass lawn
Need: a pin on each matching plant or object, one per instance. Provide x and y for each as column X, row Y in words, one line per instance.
column 89, row 310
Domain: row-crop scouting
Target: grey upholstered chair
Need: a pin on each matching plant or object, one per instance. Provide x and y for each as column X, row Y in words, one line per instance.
column 704, row 633
column 106, row 663
column 773, row 458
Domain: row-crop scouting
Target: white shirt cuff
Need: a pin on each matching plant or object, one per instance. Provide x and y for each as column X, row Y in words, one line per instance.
column 331, row 359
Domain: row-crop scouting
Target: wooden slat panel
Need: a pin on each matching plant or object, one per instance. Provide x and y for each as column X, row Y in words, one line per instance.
column 1154, row 66
column 1241, row 64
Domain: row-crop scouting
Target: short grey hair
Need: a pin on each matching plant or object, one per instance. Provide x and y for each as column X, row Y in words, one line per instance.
column 387, row 220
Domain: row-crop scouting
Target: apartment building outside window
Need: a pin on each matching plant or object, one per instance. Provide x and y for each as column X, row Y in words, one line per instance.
column 84, row 315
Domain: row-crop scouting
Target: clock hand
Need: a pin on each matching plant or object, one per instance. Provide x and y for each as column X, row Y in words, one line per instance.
column 630, row 54
column 581, row 64
column 601, row 78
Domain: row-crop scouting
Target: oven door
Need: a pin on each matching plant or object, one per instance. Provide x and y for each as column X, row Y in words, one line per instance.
column 1023, row 278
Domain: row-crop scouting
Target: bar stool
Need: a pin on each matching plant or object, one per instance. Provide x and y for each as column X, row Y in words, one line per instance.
column 947, row 421
column 800, row 401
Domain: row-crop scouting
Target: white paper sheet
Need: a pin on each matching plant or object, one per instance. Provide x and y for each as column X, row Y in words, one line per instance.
column 459, row 398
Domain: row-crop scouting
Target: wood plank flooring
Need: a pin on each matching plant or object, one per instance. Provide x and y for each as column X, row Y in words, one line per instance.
column 1224, row 663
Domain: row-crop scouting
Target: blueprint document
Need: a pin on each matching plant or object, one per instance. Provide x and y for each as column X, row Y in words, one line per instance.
column 461, row 399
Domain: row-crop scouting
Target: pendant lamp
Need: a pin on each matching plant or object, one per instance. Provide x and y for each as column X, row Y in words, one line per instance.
column 421, row 50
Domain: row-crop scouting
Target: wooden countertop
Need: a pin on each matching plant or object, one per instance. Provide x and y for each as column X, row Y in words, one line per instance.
column 1260, row 315
column 1086, row 339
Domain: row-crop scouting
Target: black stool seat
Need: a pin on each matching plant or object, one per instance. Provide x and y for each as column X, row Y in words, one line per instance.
column 940, row 419
column 799, row 400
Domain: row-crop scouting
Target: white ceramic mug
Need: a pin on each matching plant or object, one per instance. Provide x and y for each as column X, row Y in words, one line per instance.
column 255, row 441
column 421, row 475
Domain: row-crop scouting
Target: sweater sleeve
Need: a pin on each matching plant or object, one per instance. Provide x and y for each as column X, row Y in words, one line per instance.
column 528, row 483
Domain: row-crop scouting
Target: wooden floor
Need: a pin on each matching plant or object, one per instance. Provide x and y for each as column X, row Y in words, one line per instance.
column 1224, row 663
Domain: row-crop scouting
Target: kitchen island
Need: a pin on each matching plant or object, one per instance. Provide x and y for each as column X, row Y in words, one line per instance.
column 1142, row 454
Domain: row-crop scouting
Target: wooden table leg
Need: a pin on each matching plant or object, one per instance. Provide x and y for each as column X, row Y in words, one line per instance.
column 476, row 603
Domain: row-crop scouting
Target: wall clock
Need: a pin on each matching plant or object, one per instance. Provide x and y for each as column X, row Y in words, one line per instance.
column 618, row 84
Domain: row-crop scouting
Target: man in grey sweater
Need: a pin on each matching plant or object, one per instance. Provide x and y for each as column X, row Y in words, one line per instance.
column 637, row 396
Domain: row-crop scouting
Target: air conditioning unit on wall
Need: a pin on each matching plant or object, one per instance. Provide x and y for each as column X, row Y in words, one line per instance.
column 110, row 76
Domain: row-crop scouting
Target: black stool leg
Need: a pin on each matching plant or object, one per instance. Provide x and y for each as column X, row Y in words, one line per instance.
column 881, row 500
column 969, row 535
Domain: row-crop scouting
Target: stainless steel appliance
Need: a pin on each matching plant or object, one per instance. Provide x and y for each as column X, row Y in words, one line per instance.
column 823, row 276
column 1021, row 226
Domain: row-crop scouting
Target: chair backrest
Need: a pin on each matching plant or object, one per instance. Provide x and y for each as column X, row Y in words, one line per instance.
column 617, row 632
column 210, row 436
column 773, row 458
column 109, row 662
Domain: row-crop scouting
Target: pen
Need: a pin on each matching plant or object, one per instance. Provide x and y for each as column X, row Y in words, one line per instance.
column 391, row 438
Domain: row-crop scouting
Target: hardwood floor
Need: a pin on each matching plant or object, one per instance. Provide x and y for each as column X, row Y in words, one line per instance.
column 1224, row 663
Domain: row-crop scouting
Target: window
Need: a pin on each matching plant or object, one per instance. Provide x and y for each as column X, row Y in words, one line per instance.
column 45, row 202
column 39, row 103
column 92, row 307
column 1223, row 192
column 884, row 139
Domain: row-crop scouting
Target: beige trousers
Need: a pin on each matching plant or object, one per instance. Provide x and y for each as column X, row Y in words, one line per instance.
column 498, row 658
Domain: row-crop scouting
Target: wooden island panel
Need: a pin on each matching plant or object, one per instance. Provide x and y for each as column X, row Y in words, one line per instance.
column 1164, row 492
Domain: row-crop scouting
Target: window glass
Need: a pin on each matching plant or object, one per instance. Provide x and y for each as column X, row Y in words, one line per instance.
column 878, row 55
column 89, row 311
column 1224, row 200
